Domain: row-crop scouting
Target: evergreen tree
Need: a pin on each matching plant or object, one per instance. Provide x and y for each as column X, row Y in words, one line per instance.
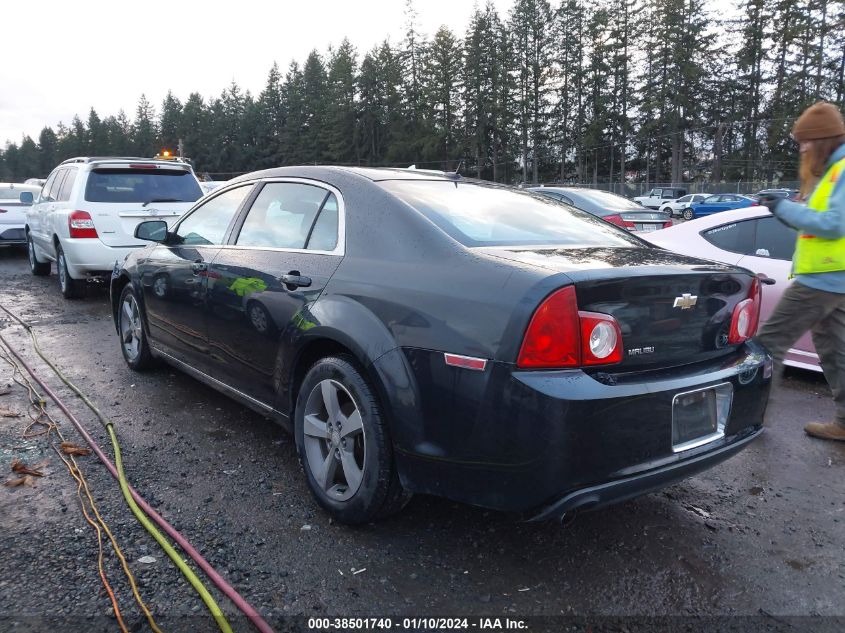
column 270, row 119
column 342, row 138
column 144, row 132
column 170, row 123
column 441, row 91
column 48, row 152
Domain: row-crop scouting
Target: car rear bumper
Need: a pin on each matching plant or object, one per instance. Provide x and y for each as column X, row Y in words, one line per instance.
column 12, row 234
column 594, row 497
column 541, row 443
column 89, row 256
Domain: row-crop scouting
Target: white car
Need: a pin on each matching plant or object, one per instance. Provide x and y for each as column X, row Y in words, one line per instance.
column 15, row 199
column 659, row 196
column 85, row 216
column 676, row 207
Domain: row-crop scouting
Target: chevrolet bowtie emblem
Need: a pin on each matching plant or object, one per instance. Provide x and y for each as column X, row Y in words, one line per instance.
column 685, row 301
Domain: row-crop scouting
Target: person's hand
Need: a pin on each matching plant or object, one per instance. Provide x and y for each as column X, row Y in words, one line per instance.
column 769, row 200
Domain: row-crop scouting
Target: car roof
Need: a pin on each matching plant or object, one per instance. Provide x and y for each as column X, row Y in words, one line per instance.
column 374, row 174
column 120, row 160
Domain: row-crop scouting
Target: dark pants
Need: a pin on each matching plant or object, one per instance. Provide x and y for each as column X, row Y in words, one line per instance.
column 823, row 313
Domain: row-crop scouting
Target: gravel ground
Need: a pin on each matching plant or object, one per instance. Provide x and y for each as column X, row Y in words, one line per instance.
column 759, row 536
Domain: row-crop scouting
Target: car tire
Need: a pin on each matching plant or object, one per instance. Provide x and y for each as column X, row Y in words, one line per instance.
column 688, row 214
column 39, row 269
column 130, row 329
column 350, row 470
column 71, row 288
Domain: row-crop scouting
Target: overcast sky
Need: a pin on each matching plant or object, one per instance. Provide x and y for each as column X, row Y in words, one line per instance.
column 62, row 58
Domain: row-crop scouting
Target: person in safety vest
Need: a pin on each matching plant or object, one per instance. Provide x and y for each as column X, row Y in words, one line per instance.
column 816, row 299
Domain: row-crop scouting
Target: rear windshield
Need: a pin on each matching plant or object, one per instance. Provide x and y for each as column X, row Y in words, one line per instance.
column 475, row 214
column 142, row 185
column 608, row 201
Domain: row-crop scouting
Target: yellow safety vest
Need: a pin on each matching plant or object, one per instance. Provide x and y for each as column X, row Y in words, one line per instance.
column 816, row 254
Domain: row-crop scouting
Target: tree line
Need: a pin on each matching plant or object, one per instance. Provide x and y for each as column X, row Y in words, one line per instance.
column 575, row 91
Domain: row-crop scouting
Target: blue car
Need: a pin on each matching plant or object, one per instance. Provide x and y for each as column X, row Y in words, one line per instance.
column 718, row 202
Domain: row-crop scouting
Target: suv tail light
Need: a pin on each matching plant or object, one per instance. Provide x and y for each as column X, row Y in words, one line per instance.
column 615, row 218
column 80, row 224
column 746, row 315
column 559, row 335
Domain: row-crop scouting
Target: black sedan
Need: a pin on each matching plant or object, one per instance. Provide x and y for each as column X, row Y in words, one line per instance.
column 422, row 333
column 609, row 207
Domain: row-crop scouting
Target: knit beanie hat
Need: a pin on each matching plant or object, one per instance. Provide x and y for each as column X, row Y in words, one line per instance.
column 821, row 120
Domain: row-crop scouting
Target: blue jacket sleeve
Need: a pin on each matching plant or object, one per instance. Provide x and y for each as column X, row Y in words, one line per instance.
column 828, row 224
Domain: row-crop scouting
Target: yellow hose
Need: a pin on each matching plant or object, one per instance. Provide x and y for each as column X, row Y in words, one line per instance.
column 196, row 583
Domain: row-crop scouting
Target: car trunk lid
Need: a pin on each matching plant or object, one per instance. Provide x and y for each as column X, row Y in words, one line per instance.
column 671, row 309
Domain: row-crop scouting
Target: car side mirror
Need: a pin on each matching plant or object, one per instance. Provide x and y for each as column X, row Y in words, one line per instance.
column 26, row 197
column 152, row 231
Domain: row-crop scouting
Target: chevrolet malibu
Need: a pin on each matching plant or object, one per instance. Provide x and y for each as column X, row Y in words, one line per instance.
column 423, row 333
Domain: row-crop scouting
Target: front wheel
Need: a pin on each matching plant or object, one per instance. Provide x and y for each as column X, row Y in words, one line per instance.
column 71, row 288
column 689, row 214
column 39, row 269
column 130, row 326
column 344, row 445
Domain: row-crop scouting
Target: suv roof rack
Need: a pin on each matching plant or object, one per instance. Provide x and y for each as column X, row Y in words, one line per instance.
column 91, row 159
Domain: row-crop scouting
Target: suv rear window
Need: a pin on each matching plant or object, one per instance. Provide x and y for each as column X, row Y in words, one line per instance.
column 486, row 215
column 141, row 185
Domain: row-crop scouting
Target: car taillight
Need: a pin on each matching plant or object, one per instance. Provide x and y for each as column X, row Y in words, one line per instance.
column 80, row 224
column 667, row 224
column 560, row 336
column 746, row 315
column 755, row 204
column 615, row 218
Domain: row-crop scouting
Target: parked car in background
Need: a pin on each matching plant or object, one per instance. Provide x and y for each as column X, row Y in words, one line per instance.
column 791, row 194
column 15, row 199
column 86, row 213
column 659, row 196
column 603, row 368
column 718, row 203
column 609, row 207
column 39, row 182
column 752, row 238
column 676, row 208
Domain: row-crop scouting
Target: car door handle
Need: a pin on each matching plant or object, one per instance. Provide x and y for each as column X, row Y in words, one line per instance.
column 294, row 280
column 765, row 280
column 198, row 267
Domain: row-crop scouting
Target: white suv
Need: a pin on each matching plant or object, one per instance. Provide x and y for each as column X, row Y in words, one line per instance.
column 85, row 216
column 677, row 207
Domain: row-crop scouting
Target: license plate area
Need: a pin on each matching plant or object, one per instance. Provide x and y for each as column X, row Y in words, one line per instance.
column 700, row 416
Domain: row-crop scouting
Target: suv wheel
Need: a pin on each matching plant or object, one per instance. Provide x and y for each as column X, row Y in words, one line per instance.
column 130, row 327
column 71, row 288
column 343, row 444
column 40, row 269
column 688, row 214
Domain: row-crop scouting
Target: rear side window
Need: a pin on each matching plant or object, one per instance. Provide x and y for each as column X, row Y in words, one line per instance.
column 208, row 223
column 142, row 185
column 67, row 185
column 737, row 237
column 486, row 215
column 282, row 215
column 51, row 187
column 774, row 239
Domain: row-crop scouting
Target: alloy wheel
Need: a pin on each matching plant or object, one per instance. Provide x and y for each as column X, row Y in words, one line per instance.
column 334, row 440
column 130, row 327
column 62, row 271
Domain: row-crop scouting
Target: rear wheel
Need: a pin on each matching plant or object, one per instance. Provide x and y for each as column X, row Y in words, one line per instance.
column 344, row 445
column 689, row 214
column 133, row 340
column 71, row 288
column 40, row 269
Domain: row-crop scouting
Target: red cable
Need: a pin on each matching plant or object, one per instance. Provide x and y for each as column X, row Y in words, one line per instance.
column 216, row 578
